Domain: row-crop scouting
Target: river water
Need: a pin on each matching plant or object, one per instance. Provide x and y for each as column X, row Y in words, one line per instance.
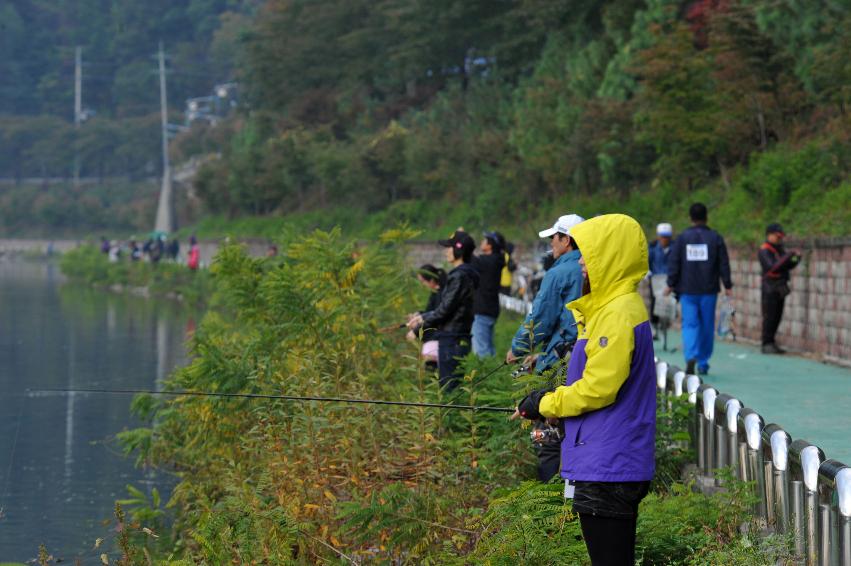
column 61, row 469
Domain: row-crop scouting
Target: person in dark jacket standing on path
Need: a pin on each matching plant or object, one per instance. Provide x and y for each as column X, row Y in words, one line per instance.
column 698, row 259
column 608, row 402
column 489, row 264
column 776, row 263
column 453, row 317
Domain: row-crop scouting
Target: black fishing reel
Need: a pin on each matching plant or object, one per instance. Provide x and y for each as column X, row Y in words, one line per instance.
column 522, row 370
column 548, row 434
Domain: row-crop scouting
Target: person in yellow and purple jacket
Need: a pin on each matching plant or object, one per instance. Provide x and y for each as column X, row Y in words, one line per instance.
column 608, row 402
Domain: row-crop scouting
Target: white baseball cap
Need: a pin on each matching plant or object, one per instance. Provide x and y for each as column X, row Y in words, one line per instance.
column 664, row 229
column 562, row 225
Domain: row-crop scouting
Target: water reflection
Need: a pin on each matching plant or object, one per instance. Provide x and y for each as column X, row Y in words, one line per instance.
column 60, row 468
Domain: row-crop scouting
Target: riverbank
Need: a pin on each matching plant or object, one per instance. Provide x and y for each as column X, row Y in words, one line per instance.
column 164, row 279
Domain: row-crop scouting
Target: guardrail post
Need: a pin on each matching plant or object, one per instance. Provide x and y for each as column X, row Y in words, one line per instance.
column 797, row 490
column 750, row 430
column 661, row 381
column 679, row 378
column 804, row 462
column 834, row 485
column 706, row 422
column 692, row 383
column 777, row 443
column 843, row 519
column 726, row 421
column 825, row 529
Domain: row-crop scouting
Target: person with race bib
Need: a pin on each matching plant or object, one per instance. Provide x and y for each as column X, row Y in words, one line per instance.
column 697, row 261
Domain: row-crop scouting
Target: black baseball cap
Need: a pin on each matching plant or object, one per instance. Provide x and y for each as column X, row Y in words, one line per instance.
column 495, row 238
column 774, row 228
column 461, row 241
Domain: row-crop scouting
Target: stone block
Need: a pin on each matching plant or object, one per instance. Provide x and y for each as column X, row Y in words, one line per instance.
column 796, row 329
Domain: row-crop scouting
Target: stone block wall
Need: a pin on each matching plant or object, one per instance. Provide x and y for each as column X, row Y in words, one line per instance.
column 817, row 314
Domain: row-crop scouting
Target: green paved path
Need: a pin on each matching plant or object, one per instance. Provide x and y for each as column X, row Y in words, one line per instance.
column 809, row 399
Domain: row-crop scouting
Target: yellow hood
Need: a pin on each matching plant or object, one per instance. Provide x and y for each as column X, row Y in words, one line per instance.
column 615, row 252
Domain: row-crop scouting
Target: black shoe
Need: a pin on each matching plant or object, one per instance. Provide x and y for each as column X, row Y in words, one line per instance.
column 690, row 367
column 772, row 349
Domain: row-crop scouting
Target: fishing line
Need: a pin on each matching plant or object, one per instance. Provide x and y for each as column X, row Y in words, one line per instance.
column 479, row 380
column 280, row 397
column 12, row 457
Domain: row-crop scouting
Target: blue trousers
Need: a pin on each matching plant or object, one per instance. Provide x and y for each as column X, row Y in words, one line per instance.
column 483, row 335
column 698, row 328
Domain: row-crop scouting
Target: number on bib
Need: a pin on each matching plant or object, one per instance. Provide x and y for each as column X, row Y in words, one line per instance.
column 697, row 252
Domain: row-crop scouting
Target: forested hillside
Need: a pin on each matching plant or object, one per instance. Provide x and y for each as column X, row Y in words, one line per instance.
column 446, row 112
column 486, row 113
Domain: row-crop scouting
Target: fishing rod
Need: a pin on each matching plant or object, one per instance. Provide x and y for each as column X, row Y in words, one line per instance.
column 479, row 380
column 277, row 397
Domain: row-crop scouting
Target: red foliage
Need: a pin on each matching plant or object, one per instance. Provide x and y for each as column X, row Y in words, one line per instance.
column 698, row 15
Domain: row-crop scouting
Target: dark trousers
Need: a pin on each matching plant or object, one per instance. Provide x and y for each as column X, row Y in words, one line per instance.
column 610, row 541
column 450, row 350
column 608, row 514
column 549, row 460
column 772, row 313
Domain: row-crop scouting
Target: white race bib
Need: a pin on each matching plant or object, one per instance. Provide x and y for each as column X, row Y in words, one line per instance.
column 697, row 252
column 569, row 489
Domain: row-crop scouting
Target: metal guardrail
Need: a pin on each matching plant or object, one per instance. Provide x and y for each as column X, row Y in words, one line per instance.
column 799, row 492
column 514, row 304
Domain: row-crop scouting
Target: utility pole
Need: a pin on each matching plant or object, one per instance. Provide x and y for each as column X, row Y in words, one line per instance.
column 164, row 221
column 78, row 110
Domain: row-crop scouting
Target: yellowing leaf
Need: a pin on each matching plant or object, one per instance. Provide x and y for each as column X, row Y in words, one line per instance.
column 330, row 495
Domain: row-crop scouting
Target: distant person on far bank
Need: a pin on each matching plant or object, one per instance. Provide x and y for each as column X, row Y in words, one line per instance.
column 658, row 263
column 194, row 260
column 776, row 263
column 489, row 264
column 697, row 261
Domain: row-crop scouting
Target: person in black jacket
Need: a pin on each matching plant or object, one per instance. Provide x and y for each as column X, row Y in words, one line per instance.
column 433, row 278
column 489, row 264
column 698, row 259
column 776, row 263
column 453, row 317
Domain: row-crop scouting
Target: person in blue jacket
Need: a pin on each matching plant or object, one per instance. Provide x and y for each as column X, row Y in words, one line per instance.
column 698, row 260
column 549, row 325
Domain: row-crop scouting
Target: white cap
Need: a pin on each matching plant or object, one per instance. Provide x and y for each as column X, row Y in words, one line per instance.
column 562, row 225
column 664, row 229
